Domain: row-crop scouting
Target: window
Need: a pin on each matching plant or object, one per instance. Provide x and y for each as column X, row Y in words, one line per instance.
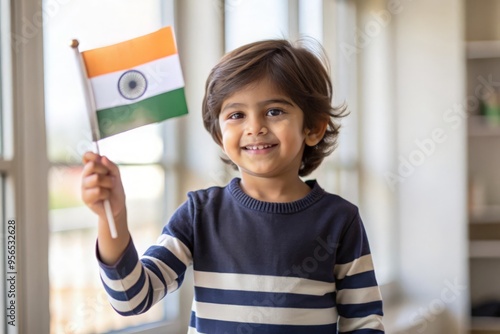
column 248, row 21
column 78, row 303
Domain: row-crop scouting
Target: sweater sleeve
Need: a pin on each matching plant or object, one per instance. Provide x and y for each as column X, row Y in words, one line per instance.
column 359, row 302
column 133, row 285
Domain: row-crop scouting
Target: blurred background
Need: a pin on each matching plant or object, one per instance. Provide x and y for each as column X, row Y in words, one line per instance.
column 419, row 153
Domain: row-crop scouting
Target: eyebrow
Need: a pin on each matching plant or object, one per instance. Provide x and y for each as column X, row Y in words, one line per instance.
column 260, row 104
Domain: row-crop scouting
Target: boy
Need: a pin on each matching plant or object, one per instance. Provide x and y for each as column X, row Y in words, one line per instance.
column 270, row 252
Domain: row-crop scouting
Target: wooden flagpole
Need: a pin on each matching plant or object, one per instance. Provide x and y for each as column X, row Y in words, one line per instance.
column 91, row 112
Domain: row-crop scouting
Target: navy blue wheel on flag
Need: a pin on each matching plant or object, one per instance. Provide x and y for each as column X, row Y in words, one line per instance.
column 132, row 84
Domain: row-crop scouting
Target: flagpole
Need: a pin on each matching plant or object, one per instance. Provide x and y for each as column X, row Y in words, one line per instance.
column 91, row 112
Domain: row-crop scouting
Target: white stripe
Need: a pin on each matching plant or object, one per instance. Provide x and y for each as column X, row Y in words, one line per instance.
column 261, row 283
column 267, row 315
column 169, row 275
column 177, row 247
column 192, row 330
column 163, row 75
column 129, row 305
column 358, row 266
column 359, row 296
column 193, row 306
column 159, row 289
column 125, row 283
column 373, row 321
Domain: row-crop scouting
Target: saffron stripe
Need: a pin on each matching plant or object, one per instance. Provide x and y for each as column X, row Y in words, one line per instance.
column 130, row 53
column 155, row 109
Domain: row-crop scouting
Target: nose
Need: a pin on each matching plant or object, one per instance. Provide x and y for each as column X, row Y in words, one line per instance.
column 256, row 126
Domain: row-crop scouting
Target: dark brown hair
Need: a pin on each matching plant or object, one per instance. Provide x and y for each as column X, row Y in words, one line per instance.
column 300, row 72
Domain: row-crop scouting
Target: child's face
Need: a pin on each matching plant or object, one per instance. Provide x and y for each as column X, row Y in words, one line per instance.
column 262, row 131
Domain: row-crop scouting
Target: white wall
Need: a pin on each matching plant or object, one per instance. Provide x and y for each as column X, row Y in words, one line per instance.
column 377, row 128
column 430, row 70
column 200, row 36
column 199, row 26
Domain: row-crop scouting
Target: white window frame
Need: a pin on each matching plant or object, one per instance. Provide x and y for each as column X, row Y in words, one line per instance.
column 26, row 171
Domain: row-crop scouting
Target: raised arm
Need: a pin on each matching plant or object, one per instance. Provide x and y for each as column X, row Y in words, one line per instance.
column 101, row 180
column 133, row 285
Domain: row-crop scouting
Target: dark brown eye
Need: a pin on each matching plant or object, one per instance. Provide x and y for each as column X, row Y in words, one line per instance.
column 274, row 112
column 236, row 115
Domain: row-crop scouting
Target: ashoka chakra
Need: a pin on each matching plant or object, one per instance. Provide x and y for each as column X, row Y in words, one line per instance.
column 132, row 84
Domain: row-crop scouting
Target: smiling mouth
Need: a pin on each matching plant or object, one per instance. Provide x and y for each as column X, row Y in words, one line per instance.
column 258, row 147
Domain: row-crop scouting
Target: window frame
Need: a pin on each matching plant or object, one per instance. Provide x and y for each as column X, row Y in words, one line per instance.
column 26, row 187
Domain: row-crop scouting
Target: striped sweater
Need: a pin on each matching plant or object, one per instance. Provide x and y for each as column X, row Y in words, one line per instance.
column 299, row 267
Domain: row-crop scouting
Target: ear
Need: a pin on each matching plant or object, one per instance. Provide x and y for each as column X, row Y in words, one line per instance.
column 315, row 135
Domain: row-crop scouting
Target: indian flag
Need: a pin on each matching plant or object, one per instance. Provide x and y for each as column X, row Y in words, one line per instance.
column 136, row 82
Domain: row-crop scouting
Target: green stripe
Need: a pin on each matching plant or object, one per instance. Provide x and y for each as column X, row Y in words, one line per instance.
column 151, row 110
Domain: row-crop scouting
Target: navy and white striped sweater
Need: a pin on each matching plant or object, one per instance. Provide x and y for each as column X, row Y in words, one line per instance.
column 300, row 267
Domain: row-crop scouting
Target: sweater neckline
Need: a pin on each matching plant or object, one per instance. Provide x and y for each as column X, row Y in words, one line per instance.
column 271, row 207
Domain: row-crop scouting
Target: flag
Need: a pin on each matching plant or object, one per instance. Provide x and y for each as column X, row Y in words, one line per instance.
column 136, row 82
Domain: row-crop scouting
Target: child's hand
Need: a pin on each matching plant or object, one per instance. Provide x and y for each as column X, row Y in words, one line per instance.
column 101, row 180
